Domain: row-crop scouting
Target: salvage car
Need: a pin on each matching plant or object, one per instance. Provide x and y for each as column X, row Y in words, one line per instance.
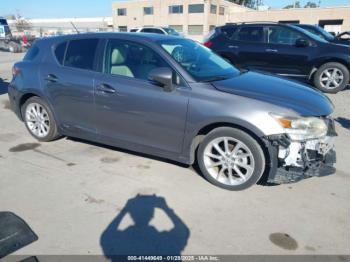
column 174, row 98
column 286, row 50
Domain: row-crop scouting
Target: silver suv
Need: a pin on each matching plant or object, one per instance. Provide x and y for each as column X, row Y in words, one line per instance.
column 174, row 98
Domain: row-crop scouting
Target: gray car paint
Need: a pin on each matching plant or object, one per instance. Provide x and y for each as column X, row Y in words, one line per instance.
column 144, row 118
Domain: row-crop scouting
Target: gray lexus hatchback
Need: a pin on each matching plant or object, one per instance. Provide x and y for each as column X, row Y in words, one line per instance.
column 174, row 98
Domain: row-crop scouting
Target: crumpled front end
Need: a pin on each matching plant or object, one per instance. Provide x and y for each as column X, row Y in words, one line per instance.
column 299, row 160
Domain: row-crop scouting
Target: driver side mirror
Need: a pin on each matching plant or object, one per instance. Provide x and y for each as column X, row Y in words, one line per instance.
column 302, row 42
column 162, row 76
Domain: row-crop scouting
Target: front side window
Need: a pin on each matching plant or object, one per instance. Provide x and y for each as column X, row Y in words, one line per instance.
column 81, row 53
column 177, row 28
column 121, row 11
column 148, row 10
column 251, row 34
column 130, row 59
column 282, row 35
column 175, row 9
column 196, row 8
column 171, row 31
column 200, row 62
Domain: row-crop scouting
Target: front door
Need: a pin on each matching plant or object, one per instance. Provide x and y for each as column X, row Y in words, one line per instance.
column 131, row 109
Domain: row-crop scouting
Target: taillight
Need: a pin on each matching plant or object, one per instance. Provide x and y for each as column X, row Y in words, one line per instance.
column 208, row 44
column 15, row 71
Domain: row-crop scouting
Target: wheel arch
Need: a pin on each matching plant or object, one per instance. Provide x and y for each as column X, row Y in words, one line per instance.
column 323, row 61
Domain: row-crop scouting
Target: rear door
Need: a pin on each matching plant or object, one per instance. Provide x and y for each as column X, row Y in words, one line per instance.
column 250, row 45
column 282, row 53
column 68, row 82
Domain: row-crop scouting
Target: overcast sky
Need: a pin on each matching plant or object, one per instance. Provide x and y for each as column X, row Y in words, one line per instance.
column 90, row 8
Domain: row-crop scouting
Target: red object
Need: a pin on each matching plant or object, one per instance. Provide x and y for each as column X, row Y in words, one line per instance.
column 15, row 71
column 25, row 40
column 208, row 44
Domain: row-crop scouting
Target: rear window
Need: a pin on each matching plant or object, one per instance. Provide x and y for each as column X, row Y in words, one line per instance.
column 60, row 52
column 31, row 54
column 81, row 54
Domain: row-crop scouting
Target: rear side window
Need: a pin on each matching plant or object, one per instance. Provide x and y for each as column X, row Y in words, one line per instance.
column 32, row 53
column 251, row 34
column 81, row 53
column 228, row 31
column 60, row 52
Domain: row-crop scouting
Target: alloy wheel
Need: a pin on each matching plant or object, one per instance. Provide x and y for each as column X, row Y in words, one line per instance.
column 229, row 161
column 331, row 78
column 37, row 120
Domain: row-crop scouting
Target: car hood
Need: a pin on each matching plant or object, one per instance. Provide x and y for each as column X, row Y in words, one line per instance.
column 278, row 91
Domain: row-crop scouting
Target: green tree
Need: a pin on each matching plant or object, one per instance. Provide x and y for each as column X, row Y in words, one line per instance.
column 311, row 5
column 247, row 3
column 296, row 4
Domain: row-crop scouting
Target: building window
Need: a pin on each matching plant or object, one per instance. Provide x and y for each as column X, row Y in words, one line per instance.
column 148, row 10
column 221, row 10
column 122, row 28
column 175, row 9
column 178, row 28
column 195, row 29
column 121, row 11
column 198, row 8
column 213, row 9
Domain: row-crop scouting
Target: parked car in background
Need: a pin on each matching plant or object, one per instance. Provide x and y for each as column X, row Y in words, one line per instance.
column 319, row 31
column 156, row 30
column 173, row 98
column 285, row 50
column 344, row 36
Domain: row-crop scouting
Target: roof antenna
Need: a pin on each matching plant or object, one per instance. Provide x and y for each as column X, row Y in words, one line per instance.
column 76, row 29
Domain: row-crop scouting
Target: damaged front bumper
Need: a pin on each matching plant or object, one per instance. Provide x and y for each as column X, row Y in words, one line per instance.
column 299, row 160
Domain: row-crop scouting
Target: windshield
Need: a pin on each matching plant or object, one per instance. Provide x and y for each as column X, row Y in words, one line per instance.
column 171, row 31
column 319, row 31
column 200, row 62
column 309, row 34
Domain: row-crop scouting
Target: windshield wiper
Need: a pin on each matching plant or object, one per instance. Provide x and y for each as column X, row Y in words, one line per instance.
column 215, row 78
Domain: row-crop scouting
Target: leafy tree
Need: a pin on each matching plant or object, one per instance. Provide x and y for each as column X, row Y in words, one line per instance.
column 247, row 3
column 295, row 5
column 311, row 5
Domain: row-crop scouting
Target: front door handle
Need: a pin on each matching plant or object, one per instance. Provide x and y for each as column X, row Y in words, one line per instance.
column 51, row 78
column 271, row 50
column 104, row 88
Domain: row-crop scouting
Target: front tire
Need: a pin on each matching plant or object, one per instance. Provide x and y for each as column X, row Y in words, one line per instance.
column 331, row 78
column 39, row 120
column 231, row 159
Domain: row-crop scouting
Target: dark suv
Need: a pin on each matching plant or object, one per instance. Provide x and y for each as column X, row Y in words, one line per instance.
column 173, row 98
column 285, row 50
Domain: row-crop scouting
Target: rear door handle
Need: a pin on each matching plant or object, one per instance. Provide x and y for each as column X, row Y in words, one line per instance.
column 233, row 46
column 271, row 50
column 51, row 78
column 104, row 88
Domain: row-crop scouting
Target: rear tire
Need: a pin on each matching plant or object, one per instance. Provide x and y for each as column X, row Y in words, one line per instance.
column 39, row 120
column 231, row 159
column 332, row 78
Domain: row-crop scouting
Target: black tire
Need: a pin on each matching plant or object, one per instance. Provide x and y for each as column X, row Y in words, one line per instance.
column 318, row 75
column 250, row 142
column 53, row 131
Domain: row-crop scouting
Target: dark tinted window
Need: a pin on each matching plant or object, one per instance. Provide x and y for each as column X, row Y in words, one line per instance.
column 148, row 10
column 3, row 22
column 152, row 30
column 32, row 53
column 60, row 51
column 228, row 31
column 81, row 53
column 121, row 11
column 175, row 9
column 251, row 34
column 283, row 35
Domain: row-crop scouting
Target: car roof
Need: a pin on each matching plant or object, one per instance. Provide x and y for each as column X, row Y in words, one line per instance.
column 127, row 36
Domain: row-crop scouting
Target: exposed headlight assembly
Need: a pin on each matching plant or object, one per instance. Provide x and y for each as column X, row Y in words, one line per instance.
column 302, row 128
